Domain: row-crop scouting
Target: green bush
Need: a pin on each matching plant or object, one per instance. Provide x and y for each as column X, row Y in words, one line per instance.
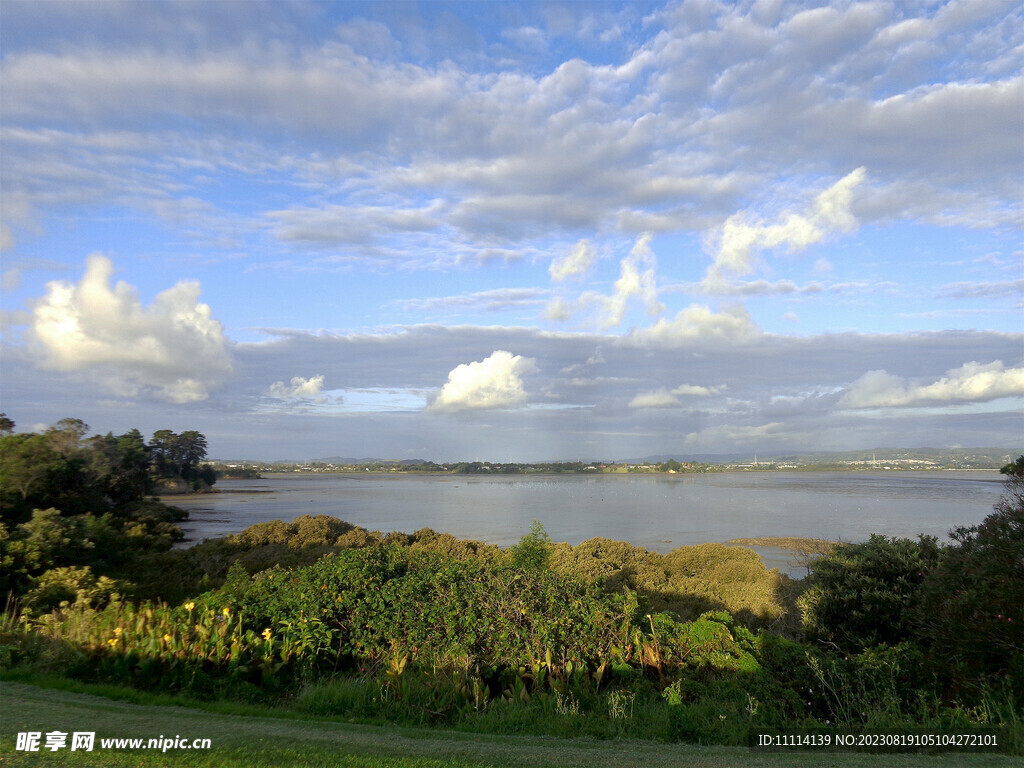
column 971, row 607
column 865, row 594
column 69, row 585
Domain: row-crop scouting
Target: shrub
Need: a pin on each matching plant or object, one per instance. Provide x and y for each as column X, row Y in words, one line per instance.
column 971, row 609
column 533, row 550
column 864, row 594
column 69, row 585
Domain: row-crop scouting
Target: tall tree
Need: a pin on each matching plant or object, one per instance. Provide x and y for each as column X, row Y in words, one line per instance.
column 191, row 451
column 163, row 452
column 66, row 436
column 28, row 462
column 121, row 466
column 176, row 455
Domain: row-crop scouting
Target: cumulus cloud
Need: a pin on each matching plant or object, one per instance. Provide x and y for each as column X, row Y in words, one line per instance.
column 698, row 322
column 742, row 236
column 573, row 264
column 666, row 398
column 173, row 349
column 298, row 388
column 494, row 382
column 971, row 382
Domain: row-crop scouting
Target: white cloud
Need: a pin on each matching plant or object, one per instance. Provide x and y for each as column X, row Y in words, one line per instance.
column 983, row 290
column 298, row 388
column 972, row 382
column 660, row 398
column 573, row 264
column 497, row 300
column 636, row 279
column 558, row 309
column 494, row 382
column 728, row 435
column 695, row 390
column 173, row 348
column 666, row 398
column 741, row 237
column 698, row 323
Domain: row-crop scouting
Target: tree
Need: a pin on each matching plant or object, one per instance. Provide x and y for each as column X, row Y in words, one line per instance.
column 28, row 467
column 864, row 594
column 972, row 605
column 66, row 435
column 177, row 455
column 191, row 451
column 6, row 425
column 163, row 452
column 121, row 466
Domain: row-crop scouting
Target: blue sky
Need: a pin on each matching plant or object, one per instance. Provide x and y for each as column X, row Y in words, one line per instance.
column 515, row 230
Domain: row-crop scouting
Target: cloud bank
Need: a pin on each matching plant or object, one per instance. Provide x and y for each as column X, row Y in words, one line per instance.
column 972, row 382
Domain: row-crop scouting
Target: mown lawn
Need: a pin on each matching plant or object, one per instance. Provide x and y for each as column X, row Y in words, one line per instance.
column 251, row 742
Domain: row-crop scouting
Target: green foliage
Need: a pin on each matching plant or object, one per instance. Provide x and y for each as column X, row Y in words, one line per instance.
column 29, row 472
column 688, row 581
column 1014, row 468
column 105, row 543
column 971, row 609
column 176, row 575
column 72, row 502
column 121, row 466
column 179, row 456
column 534, row 549
column 68, row 585
column 374, row 603
column 865, row 594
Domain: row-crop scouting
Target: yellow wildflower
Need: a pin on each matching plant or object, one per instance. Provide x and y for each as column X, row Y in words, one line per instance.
column 189, row 606
column 226, row 612
column 112, row 641
column 167, row 638
column 266, row 633
column 118, row 631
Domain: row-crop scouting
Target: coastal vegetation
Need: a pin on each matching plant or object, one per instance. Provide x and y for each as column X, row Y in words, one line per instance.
column 77, row 514
column 321, row 618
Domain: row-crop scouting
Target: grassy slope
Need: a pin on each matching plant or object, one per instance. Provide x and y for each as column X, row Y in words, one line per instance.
column 252, row 742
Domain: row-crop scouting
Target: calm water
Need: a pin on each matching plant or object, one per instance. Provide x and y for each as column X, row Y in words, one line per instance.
column 654, row 511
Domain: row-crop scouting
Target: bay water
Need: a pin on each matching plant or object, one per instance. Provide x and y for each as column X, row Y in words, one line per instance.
column 658, row 512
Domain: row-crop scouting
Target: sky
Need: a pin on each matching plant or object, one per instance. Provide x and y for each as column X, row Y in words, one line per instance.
column 514, row 231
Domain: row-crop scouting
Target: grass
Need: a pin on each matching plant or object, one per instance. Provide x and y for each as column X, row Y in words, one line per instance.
column 251, row 741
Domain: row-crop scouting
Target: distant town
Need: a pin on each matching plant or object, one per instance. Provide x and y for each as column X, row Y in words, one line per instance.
column 876, row 460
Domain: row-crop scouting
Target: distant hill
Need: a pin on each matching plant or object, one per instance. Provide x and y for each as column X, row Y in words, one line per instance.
column 966, row 457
